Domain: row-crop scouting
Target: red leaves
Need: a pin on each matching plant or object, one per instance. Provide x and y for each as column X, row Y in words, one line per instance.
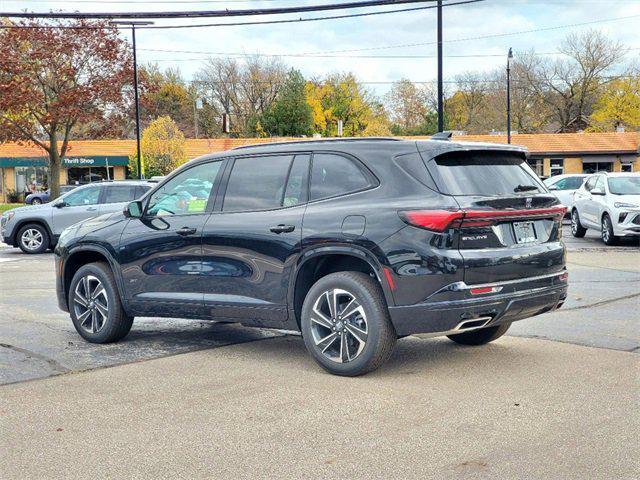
column 51, row 77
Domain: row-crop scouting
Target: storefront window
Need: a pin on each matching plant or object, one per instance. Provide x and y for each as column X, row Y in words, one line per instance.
column 537, row 165
column 557, row 166
column 31, row 179
column 626, row 167
column 594, row 167
column 83, row 175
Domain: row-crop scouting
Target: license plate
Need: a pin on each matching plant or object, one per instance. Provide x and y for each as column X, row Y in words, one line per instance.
column 525, row 232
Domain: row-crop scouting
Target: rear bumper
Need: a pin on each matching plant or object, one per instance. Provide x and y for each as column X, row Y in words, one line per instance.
column 515, row 301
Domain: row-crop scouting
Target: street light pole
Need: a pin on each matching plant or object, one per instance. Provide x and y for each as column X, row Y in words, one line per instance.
column 509, row 57
column 440, row 87
column 135, row 86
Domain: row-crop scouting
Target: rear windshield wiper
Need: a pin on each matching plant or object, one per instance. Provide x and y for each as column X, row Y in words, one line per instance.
column 525, row 188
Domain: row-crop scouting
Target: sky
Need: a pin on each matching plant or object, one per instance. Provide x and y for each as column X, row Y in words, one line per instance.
column 368, row 36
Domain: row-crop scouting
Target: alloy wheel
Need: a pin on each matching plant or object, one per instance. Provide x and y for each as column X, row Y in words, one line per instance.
column 36, row 201
column 574, row 222
column 90, row 303
column 339, row 326
column 32, row 239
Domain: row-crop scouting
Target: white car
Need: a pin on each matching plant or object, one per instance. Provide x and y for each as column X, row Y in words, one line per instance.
column 564, row 186
column 610, row 203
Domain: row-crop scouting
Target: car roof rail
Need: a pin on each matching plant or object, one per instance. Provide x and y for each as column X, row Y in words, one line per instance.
column 446, row 136
column 321, row 140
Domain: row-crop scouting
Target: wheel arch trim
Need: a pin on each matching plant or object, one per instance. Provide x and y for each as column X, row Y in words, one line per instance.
column 22, row 222
column 110, row 260
column 338, row 249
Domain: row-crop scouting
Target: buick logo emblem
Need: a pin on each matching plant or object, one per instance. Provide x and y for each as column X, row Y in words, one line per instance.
column 527, row 202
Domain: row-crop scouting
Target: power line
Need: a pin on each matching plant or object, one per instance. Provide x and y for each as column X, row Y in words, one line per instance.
column 212, row 13
column 323, row 55
column 481, row 37
column 236, row 24
column 130, row 2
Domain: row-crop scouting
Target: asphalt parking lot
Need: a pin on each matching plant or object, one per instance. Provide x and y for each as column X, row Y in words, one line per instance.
column 556, row 398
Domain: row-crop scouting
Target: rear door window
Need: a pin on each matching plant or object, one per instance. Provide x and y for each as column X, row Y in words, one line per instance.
column 333, row 175
column 119, row 193
column 298, row 182
column 484, row 174
column 257, row 183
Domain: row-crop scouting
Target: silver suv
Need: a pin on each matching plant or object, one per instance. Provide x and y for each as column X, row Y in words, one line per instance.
column 36, row 228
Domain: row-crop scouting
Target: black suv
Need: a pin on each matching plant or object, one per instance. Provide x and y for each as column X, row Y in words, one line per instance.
column 354, row 242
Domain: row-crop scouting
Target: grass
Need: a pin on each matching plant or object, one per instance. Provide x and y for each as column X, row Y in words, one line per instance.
column 8, row 206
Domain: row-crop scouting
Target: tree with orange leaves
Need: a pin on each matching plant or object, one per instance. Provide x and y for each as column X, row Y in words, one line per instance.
column 54, row 76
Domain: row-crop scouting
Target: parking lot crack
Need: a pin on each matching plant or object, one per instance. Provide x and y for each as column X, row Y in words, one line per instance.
column 603, row 302
column 50, row 361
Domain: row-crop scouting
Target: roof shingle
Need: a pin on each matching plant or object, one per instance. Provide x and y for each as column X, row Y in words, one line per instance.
column 538, row 144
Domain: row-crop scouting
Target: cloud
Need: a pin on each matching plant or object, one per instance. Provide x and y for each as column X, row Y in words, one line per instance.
column 473, row 20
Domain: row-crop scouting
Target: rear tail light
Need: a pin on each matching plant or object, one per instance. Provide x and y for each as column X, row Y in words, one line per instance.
column 436, row 220
column 441, row 220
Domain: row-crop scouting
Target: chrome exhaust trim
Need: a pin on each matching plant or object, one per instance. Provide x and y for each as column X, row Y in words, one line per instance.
column 473, row 323
column 483, row 321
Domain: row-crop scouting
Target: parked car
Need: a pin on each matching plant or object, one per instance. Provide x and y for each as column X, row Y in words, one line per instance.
column 610, row 203
column 34, row 229
column 355, row 242
column 563, row 187
column 38, row 198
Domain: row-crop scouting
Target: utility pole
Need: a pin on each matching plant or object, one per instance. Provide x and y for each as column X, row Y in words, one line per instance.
column 509, row 57
column 135, row 86
column 440, row 87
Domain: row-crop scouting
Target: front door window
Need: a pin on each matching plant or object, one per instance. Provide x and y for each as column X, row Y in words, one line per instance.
column 185, row 194
column 83, row 196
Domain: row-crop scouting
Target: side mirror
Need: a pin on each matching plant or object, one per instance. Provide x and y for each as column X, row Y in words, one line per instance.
column 133, row 210
column 60, row 204
column 597, row 191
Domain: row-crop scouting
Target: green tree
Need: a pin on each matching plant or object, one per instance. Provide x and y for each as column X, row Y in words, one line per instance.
column 290, row 114
column 163, row 148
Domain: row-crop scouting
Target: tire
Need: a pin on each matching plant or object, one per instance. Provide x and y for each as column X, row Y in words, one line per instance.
column 367, row 319
column 36, row 201
column 33, row 238
column 480, row 336
column 106, row 320
column 606, row 231
column 577, row 230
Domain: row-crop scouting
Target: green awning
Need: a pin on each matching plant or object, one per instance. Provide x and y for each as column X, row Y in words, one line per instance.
column 68, row 162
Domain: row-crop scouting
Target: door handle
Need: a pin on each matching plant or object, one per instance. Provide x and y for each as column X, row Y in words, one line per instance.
column 282, row 228
column 91, row 209
column 184, row 231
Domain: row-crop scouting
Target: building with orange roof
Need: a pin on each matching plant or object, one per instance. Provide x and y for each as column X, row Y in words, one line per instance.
column 97, row 160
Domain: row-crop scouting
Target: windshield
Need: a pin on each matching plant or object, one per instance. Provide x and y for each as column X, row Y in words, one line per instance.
column 624, row 185
column 486, row 173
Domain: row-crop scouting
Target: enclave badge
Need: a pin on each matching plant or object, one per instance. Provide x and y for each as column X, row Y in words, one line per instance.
column 527, row 202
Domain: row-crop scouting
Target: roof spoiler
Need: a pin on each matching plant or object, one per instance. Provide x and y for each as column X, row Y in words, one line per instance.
column 446, row 136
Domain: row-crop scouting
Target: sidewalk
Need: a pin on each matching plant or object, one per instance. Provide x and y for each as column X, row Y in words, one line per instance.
column 264, row 409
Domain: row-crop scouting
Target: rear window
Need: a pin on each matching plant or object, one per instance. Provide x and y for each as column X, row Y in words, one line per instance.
column 485, row 174
column 333, row 175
